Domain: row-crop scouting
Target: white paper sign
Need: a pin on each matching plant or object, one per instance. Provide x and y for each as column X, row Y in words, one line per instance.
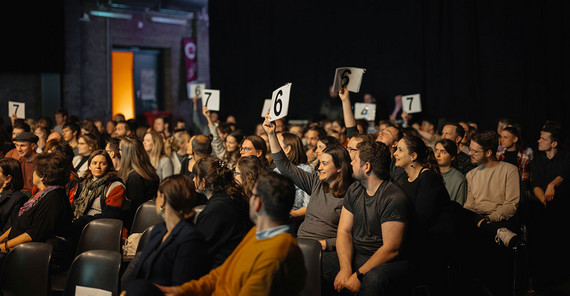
column 86, row 291
column 280, row 102
column 412, row 103
column 195, row 89
column 348, row 77
column 211, row 99
column 365, row 111
column 266, row 106
column 17, row 107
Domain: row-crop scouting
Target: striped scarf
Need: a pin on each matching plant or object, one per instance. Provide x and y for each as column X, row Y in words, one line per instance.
column 36, row 198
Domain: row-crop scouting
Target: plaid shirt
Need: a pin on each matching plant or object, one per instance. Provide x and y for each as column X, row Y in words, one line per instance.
column 523, row 161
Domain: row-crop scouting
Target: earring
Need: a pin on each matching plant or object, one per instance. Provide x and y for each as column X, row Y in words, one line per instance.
column 411, row 165
column 161, row 209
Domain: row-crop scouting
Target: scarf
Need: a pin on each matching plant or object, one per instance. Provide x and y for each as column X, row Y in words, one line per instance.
column 36, row 198
column 90, row 190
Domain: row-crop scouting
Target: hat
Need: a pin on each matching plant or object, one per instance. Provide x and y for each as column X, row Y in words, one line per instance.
column 26, row 137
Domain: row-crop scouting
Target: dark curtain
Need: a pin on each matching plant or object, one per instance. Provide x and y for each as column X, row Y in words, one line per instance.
column 470, row 60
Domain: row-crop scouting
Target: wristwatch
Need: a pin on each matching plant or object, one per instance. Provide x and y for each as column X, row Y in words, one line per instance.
column 359, row 275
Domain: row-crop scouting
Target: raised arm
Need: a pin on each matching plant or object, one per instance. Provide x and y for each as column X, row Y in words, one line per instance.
column 349, row 121
column 217, row 144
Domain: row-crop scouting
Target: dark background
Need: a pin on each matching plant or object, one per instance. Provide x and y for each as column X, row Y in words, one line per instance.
column 470, row 60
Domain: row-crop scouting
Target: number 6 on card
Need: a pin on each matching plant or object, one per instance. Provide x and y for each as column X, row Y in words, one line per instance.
column 280, row 102
column 211, row 99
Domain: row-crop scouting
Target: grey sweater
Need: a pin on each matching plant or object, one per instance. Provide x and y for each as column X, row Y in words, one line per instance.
column 323, row 211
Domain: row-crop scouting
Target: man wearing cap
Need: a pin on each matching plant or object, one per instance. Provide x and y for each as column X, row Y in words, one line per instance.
column 26, row 147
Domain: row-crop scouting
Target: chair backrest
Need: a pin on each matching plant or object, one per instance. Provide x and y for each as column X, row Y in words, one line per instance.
column 197, row 210
column 312, row 253
column 101, row 234
column 145, row 217
column 94, row 269
column 26, row 269
column 144, row 238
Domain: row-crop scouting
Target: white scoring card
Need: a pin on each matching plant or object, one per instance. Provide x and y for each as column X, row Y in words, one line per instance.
column 266, row 106
column 349, row 77
column 195, row 89
column 17, row 108
column 412, row 103
column 280, row 102
column 211, row 99
column 365, row 111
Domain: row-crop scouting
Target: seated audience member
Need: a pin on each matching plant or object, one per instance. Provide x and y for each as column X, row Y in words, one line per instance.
column 455, row 183
column 311, row 136
column 227, row 148
column 338, row 130
column 138, row 175
column 26, row 149
column 110, row 129
column 88, row 127
column 86, row 144
column 123, row 129
column 322, row 144
column 175, row 252
column 179, row 125
column 71, row 133
column 175, row 147
column 17, row 128
column 63, row 149
column 371, row 230
column 295, row 129
column 293, row 148
column 162, row 126
column 550, row 168
column 112, row 148
column 197, row 148
column 223, row 222
column 11, row 198
column 268, row 260
column 247, row 172
column 42, row 134
column 513, row 152
column 55, row 136
column 101, row 193
column 100, row 128
column 464, row 145
column 327, row 188
column 46, row 214
column 255, row 145
column 119, row 117
column 154, row 147
column 390, row 137
column 60, row 120
column 454, row 131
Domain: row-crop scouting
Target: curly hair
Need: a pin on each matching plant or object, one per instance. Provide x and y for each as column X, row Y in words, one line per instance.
column 52, row 169
column 250, row 168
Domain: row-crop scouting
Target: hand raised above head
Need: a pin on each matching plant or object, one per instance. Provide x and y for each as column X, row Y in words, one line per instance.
column 344, row 94
column 268, row 126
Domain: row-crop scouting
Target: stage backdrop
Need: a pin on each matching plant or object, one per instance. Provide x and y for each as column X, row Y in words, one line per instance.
column 471, row 60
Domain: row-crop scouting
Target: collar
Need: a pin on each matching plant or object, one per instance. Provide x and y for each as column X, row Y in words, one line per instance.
column 271, row 232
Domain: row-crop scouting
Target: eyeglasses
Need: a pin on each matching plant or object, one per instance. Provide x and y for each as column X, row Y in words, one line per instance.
column 474, row 151
column 350, row 149
column 245, row 149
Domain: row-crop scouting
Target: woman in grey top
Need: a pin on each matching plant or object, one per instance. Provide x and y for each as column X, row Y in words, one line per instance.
column 327, row 188
column 455, row 183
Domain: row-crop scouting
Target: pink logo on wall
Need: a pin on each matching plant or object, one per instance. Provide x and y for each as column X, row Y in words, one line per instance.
column 190, row 58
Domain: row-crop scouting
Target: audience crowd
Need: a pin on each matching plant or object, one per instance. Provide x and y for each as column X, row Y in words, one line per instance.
column 396, row 205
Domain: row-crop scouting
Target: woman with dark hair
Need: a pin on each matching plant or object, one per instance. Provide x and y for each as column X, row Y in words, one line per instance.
column 63, row 149
column 175, row 252
column 46, row 214
column 445, row 152
column 327, row 188
column 247, row 172
column 225, row 219
column 322, row 144
column 430, row 226
column 11, row 198
column 293, row 148
column 86, row 144
column 88, row 127
column 255, row 145
column 100, row 194
column 138, row 175
column 227, row 149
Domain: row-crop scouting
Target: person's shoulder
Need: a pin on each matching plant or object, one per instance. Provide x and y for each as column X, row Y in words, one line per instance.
column 503, row 165
column 394, row 191
column 455, row 174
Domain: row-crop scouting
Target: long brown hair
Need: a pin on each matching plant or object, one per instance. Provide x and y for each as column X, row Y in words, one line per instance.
column 218, row 176
column 134, row 158
column 157, row 151
column 341, row 160
column 297, row 153
column 250, row 168
column 110, row 167
column 180, row 194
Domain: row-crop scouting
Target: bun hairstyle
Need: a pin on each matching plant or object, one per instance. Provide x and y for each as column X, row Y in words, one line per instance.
column 425, row 156
column 180, row 194
column 219, row 177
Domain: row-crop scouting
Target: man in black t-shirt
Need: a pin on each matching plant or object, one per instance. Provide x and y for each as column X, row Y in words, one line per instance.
column 371, row 228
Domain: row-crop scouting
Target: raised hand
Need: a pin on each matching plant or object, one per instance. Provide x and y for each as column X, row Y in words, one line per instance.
column 268, row 126
column 343, row 94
